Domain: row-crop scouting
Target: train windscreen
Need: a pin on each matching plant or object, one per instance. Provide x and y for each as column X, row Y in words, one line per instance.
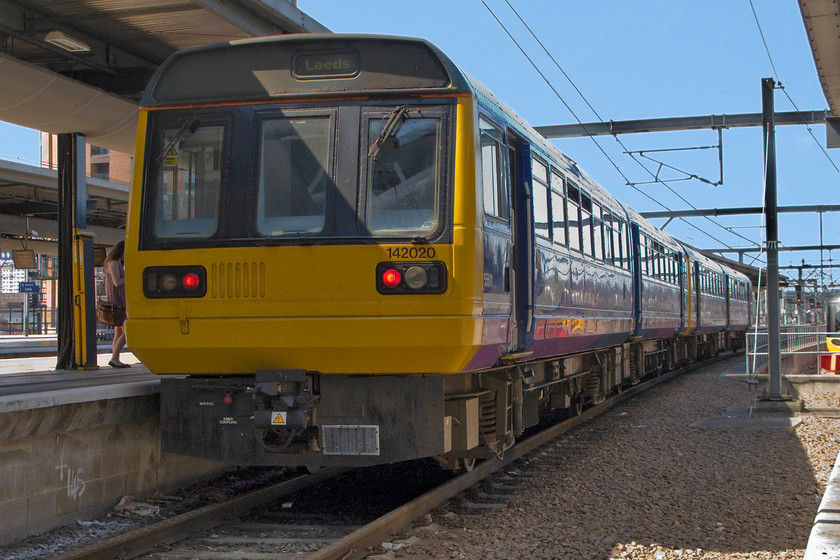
column 254, row 174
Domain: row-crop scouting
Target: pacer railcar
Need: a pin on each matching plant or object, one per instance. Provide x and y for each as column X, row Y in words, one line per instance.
column 344, row 251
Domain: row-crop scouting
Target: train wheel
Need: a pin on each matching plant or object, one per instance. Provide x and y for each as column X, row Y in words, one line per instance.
column 467, row 464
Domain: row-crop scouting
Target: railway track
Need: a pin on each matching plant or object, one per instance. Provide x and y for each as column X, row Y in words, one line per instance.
column 309, row 516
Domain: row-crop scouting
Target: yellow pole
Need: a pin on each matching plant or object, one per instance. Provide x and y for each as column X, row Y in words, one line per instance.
column 79, row 296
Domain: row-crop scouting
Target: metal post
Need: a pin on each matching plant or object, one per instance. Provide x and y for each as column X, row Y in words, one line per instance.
column 772, row 248
column 76, row 319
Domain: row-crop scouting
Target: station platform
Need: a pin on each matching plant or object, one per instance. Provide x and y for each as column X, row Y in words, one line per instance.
column 74, row 442
column 29, row 380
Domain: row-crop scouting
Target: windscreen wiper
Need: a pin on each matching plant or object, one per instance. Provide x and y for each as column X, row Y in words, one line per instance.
column 177, row 138
column 395, row 120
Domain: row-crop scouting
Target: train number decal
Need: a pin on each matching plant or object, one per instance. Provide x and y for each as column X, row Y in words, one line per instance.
column 411, row 252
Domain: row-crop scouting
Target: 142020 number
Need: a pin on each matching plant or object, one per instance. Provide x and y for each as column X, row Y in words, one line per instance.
column 411, row 252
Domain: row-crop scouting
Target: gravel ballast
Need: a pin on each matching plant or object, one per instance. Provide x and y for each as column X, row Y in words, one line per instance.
column 640, row 482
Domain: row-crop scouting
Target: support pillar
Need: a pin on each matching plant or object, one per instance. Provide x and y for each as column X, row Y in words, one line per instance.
column 76, row 313
column 772, row 243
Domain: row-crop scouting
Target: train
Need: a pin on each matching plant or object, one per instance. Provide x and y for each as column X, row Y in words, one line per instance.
column 344, row 251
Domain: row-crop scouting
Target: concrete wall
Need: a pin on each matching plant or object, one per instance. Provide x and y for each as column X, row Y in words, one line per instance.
column 75, row 461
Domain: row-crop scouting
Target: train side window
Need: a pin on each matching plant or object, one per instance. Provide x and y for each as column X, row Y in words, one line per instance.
column 618, row 247
column 625, row 233
column 294, row 178
column 608, row 237
column 494, row 171
column 656, row 261
column 573, row 215
column 187, row 199
column 586, row 224
column 558, row 210
column 618, row 251
column 539, row 173
column 597, row 232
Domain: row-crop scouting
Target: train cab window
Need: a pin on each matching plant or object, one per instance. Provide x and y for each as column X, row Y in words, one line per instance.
column 597, row 233
column 187, row 194
column 558, row 210
column 403, row 174
column 293, row 177
column 540, row 197
column 494, row 171
column 573, row 215
column 586, row 224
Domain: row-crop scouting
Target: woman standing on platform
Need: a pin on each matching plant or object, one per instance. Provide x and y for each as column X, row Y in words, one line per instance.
column 115, row 293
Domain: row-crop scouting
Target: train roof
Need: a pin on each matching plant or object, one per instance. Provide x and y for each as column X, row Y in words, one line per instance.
column 309, row 65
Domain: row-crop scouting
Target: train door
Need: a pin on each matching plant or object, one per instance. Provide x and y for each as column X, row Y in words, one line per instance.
column 697, row 294
column 499, row 277
column 635, row 255
column 519, row 156
column 727, row 297
column 687, row 293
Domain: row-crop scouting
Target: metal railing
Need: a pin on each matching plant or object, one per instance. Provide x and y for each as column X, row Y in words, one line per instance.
column 793, row 339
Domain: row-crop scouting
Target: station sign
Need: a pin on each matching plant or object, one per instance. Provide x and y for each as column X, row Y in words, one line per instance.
column 28, row 287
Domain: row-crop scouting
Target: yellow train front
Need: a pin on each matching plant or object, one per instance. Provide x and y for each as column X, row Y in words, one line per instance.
column 295, row 242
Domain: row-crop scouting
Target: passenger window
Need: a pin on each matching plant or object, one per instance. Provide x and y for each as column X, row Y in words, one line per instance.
column 572, row 216
column 608, row 237
column 558, row 210
column 494, row 171
column 187, row 201
column 294, row 180
column 625, row 243
column 540, row 197
column 597, row 233
column 618, row 248
column 586, row 224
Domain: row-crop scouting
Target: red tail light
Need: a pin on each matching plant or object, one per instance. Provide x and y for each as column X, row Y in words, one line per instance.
column 174, row 281
column 191, row 281
column 391, row 278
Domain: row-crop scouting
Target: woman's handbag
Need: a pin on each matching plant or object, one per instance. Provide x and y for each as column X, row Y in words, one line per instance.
column 109, row 314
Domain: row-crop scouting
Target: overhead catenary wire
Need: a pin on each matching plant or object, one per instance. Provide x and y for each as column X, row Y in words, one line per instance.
column 781, row 87
column 560, row 97
column 620, row 143
column 792, row 102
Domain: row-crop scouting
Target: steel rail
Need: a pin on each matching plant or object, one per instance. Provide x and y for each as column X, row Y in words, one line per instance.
column 141, row 541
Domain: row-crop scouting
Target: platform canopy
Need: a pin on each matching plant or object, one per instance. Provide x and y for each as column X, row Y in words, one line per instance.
column 822, row 22
column 80, row 66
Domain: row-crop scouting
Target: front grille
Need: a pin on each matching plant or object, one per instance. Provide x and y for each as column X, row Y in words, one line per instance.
column 350, row 440
column 237, row 280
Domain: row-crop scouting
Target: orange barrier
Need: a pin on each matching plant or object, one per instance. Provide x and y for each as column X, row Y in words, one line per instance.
column 830, row 362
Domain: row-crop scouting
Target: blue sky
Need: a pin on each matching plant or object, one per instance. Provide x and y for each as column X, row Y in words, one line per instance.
column 630, row 60
column 648, row 59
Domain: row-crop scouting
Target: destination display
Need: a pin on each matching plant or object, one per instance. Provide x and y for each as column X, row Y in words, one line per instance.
column 326, row 65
